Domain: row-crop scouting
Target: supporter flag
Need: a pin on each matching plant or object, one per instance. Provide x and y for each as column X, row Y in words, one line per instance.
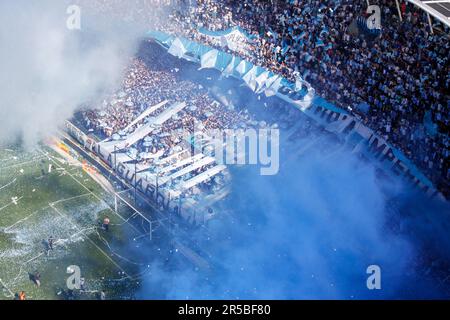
column 319, row 43
column 299, row 83
column 261, row 81
column 285, row 50
column 363, row 26
column 308, row 98
column 273, row 84
column 271, row 80
column 228, row 71
column 236, row 39
column 242, row 67
column 209, row 59
column 250, row 78
column 177, row 48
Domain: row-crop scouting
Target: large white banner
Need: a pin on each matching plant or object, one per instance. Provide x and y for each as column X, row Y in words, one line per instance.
column 234, row 39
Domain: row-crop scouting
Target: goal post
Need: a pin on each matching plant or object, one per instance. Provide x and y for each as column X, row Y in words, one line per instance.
column 135, row 213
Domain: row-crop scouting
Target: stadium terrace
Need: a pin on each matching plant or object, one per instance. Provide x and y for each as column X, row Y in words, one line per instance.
column 228, row 150
column 321, row 42
column 141, row 130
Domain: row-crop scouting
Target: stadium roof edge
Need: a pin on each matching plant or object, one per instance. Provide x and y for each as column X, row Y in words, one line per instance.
column 440, row 9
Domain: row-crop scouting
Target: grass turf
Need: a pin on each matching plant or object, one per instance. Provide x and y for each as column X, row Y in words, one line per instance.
column 67, row 204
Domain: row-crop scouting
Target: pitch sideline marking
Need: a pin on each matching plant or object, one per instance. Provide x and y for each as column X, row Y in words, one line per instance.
column 9, row 183
column 96, row 196
column 22, row 163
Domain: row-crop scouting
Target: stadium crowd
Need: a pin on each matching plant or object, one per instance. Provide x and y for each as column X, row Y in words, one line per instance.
column 401, row 75
column 148, row 82
column 396, row 81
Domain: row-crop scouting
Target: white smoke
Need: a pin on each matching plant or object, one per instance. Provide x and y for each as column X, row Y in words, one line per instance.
column 47, row 70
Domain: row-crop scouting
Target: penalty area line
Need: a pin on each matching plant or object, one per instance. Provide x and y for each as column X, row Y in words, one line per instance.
column 41, row 209
column 22, row 163
column 64, row 216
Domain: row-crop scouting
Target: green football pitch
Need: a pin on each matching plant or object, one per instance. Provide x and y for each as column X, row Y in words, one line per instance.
column 43, row 195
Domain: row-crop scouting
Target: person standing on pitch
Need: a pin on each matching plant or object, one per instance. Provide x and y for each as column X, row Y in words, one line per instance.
column 22, row 295
column 106, row 224
column 35, row 278
column 51, row 241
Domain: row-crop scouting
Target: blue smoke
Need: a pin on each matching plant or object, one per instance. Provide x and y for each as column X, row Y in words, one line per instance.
column 310, row 232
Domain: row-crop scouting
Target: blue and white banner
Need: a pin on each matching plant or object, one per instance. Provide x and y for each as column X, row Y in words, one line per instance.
column 236, row 39
column 362, row 140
